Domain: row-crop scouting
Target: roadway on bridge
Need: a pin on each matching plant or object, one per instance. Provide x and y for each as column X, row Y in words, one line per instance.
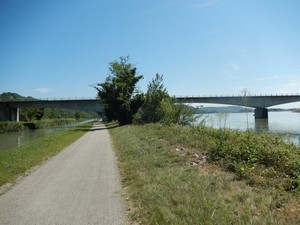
column 80, row 185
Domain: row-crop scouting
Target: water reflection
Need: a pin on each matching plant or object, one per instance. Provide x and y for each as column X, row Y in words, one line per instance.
column 13, row 139
column 285, row 124
column 261, row 125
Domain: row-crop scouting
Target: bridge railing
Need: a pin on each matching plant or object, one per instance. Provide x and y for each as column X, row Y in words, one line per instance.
column 175, row 96
column 236, row 95
column 45, row 99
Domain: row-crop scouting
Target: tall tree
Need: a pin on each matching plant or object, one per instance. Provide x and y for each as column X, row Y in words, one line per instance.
column 150, row 112
column 159, row 106
column 117, row 92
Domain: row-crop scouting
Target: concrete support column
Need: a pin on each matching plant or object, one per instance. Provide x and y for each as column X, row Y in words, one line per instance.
column 260, row 113
column 8, row 113
column 14, row 114
column 3, row 113
column 18, row 115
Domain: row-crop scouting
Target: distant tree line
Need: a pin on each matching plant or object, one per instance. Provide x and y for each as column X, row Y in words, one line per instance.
column 124, row 103
column 32, row 114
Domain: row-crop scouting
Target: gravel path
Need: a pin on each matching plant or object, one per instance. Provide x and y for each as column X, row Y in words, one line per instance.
column 80, row 186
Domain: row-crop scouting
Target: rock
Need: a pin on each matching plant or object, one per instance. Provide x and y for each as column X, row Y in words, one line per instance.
column 200, row 159
column 194, row 163
column 180, row 149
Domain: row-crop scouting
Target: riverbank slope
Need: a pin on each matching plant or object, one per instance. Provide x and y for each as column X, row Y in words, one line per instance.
column 198, row 175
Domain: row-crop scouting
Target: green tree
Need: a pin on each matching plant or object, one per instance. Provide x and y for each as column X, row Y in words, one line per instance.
column 172, row 112
column 30, row 114
column 77, row 116
column 150, row 112
column 159, row 106
column 117, row 92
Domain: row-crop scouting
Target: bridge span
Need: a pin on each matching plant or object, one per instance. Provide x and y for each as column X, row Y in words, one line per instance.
column 9, row 109
column 258, row 102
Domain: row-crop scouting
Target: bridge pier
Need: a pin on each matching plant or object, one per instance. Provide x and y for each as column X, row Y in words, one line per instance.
column 260, row 113
column 8, row 113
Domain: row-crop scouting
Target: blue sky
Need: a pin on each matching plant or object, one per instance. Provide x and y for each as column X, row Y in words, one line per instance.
column 58, row 48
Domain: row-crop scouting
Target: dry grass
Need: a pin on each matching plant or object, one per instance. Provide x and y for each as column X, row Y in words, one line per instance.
column 166, row 183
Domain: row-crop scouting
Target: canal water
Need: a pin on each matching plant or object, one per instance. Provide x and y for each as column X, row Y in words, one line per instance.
column 283, row 123
column 13, row 139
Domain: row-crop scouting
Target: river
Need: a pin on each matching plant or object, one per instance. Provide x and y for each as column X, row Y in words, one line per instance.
column 283, row 123
column 13, row 139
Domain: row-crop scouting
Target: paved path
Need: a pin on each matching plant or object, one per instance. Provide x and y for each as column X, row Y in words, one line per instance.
column 78, row 186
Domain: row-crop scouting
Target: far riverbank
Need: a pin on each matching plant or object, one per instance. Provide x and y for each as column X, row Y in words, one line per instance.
column 13, row 139
column 11, row 126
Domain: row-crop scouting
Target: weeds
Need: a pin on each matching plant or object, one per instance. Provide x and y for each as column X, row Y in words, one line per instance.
column 164, row 188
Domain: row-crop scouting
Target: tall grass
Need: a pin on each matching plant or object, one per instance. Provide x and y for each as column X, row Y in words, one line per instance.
column 10, row 126
column 162, row 187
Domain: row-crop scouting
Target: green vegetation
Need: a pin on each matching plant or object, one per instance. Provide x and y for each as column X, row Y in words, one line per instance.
column 198, row 175
column 158, row 106
column 16, row 161
column 10, row 126
column 9, row 96
column 48, row 123
column 117, row 92
column 125, row 104
column 37, row 114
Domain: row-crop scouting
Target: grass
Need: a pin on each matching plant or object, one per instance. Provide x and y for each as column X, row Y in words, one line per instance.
column 10, row 126
column 165, row 183
column 16, row 161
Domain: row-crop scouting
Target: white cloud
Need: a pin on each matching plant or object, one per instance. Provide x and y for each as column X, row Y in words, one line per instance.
column 234, row 66
column 43, row 90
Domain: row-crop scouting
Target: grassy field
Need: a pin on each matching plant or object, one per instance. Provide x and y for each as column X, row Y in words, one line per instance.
column 16, row 161
column 197, row 175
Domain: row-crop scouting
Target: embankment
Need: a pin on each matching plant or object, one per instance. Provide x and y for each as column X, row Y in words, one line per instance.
column 198, row 175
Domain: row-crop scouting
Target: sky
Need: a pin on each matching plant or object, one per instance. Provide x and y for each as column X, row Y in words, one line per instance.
column 59, row 48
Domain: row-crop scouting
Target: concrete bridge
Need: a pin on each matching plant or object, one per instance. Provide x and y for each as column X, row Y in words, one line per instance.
column 9, row 109
column 258, row 102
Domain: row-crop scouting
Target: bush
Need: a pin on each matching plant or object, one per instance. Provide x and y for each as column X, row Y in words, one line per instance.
column 176, row 113
column 159, row 106
column 10, row 127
